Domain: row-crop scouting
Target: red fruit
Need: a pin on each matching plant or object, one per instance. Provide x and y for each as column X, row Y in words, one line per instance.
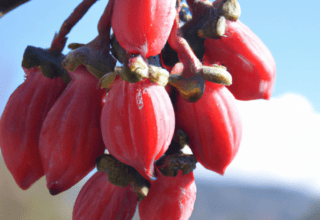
column 99, row 199
column 21, row 122
column 169, row 198
column 70, row 139
column 213, row 126
column 248, row 60
column 143, row 26
column 137, row 123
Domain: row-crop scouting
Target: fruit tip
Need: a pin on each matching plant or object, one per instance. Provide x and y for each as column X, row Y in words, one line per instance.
column 54, row 192
column 54, row 189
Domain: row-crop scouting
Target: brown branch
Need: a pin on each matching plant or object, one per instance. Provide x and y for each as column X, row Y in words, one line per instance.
column 60, row 39
column 8, row 5
column 104, row 27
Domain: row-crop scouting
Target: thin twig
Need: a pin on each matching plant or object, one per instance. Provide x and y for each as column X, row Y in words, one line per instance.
column 8, row 5
column 60, row 39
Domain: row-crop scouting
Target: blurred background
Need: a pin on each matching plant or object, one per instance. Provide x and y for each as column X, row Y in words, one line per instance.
column 276, row 174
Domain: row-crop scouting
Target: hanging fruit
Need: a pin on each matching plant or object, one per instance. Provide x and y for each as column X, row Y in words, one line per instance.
column 70, row 138
column 143, row 27
column 213, row 126
column 137, row 123
column 21, row 122
column 247, row 59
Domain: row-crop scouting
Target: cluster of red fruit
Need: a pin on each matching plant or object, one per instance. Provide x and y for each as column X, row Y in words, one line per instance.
column 173, row 89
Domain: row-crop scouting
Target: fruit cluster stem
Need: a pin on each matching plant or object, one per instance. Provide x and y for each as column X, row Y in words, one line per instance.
column 60, row 39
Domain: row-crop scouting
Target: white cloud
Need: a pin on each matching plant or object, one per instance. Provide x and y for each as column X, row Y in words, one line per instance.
column 280, row 144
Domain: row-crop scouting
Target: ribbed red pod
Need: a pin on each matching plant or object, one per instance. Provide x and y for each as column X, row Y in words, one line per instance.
column 248, row 60
column 143, row 26
column 21, row 122
column 169, row 198
column 70, row 139
column 213, row 126
column 101, row 200
column 137, row 123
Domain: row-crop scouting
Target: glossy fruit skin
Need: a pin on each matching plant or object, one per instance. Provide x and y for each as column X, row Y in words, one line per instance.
column 21, row 122
column 169, row 198
column 213, row 126
column 70, row 139
column 248, row 60
column 137, row 123
column 99, row 199
column 143, row 26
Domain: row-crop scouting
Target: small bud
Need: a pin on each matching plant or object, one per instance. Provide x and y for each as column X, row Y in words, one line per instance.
column 135, row 70
column 107, row 80
column 158, row 75
column 231, row 10
column 217, row 74
column 191, row 89
column 74, row 46
column 228, row 8
column 221, row 26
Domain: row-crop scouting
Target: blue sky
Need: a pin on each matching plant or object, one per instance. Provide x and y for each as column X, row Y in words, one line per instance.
column 290, row 29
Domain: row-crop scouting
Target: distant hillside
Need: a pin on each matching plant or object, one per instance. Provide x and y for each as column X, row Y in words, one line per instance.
column 216, row 201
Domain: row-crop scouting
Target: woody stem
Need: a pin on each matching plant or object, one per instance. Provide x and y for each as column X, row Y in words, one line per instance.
column 6, row 5
column 104, row 27
column 184, row 51
column 60, row 39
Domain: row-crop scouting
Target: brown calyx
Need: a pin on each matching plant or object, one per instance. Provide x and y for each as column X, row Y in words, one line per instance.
column 171, row 164
column 48, row 61
column 91, row 56
column 120, row 174
column 60, row 39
